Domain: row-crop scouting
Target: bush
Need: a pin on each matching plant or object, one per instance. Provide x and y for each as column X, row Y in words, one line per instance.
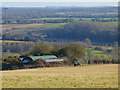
column 106, row 61
column 114, row 61
column 29, row 66
column 40, row 63
column 11, row 63
column 14, row 67
column 56, row 64
column 68, row 62
column 96, row 61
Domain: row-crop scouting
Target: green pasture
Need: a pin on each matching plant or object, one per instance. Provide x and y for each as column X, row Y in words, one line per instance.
column 52, row 25
column 100, row 54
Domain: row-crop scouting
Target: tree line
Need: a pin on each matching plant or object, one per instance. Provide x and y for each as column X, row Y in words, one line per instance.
column 20, row 21
column 73, row 51
column 68, row 12
column 52, row 20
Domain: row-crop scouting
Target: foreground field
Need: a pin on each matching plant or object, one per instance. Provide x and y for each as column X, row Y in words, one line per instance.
column 91, row 76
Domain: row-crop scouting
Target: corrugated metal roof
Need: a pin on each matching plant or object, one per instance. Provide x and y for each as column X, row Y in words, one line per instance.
column 21, row 59
column 43, row 57
column 54, row 60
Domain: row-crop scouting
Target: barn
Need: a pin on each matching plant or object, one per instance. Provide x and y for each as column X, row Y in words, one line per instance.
column 47, row 58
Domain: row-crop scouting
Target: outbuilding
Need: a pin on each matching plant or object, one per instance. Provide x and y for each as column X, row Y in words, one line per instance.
column 47, row 58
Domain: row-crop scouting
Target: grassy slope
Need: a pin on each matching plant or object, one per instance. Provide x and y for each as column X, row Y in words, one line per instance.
column 92, row 76
column 100, row 54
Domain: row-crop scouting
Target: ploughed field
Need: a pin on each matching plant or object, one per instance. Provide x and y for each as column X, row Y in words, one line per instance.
column 89, row 76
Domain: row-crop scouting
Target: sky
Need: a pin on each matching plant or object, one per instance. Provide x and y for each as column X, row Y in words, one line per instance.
column 60, row 0
column 44, row 3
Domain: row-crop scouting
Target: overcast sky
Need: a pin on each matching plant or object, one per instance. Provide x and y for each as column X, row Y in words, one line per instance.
column 60, row 0
column 44, row 3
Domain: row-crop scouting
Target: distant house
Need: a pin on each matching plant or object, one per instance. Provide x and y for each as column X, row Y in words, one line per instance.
column 47, row 58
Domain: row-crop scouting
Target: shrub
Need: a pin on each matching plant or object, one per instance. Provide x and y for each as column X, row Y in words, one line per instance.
column 14, row 67
column 114, row 61
column 41, row 63
column 11, row 63
column 56, row 64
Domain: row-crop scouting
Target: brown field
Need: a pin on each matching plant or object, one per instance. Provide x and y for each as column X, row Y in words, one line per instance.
column 90, row 76
column 23, row 28
column 26, row 25
column 12, row 28
column 19, row 26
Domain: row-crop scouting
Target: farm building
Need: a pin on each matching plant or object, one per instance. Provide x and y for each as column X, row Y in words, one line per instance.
column 47, row 58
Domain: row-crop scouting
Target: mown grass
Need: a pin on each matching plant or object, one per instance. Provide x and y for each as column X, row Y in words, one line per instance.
column 90, row 76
